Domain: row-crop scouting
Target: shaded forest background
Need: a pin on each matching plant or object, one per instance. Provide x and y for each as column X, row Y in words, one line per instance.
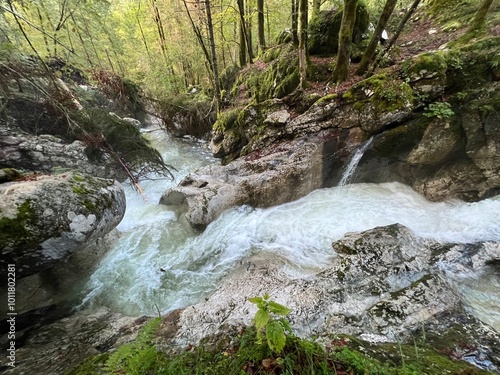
column 162, row 45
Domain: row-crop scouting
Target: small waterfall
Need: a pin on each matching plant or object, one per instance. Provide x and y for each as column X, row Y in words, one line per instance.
column 350, row 168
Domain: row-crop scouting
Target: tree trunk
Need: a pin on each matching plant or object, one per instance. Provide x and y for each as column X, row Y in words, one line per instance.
column 480, row 16
column 215, row 67
column 341, row 72
column 372, row 47
column 316, row 6
column 395, row 36
column 159, row 27
column 248, row 33
column 260, row 25
column 243, row 43
column 295, row 21
column 199, row 37
column 245, row 48
column 303, row 43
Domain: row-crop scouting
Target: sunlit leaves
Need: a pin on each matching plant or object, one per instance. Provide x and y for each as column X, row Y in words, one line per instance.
column 275, row 329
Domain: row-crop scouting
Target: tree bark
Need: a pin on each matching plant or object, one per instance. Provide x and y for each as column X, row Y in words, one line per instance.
column 260, row 25
column 303, row 43
column 341, row 72
column 199, row 37
column 245, row 48
column 316, row 5
column 295, row 21
column 159, row 27
column 215, row 67
column 372, row 47
column 480, row 16
column 395, row 36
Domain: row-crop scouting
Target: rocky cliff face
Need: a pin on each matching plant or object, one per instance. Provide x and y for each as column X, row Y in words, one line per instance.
column 433, row 118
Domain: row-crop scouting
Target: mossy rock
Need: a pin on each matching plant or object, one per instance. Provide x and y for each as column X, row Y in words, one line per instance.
column 473, row 65
column 276, row 79
column 8, row 174
column 383, row 93
column 400, row 140
column 324, row 29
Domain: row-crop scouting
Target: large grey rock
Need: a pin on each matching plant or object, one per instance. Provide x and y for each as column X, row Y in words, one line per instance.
column 47, row 153
column 45, row 220
column 262, row 179
column 381, row 285
column 74, row 339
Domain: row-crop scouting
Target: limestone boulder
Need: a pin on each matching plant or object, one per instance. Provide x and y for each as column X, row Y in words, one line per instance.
column 381, row 285
column 47, row 153
column 264, row 178
column 46, row 219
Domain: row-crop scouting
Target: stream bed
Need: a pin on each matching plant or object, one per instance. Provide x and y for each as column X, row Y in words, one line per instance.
column 160, row 263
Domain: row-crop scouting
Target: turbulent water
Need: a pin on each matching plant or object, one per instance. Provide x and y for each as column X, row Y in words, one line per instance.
column 160, row 263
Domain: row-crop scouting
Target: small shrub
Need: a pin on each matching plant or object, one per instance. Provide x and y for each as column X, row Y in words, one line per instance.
column 440, row 110
column 274, row 330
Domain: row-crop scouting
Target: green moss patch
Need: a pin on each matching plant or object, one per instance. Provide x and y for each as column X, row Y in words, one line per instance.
column 15, row 232
column 380, row 91
column 276, row 76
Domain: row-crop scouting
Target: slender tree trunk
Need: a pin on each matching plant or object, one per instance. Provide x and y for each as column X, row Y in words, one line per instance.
column 341, row 72
column 214, row 55
column 249, row 34
column 372, row 47
column 45, row 40
column 144, row 41
column 303, row 43
column 82, row 42
column 159, row 27
column 395, row 36
column 244, row 39
column 295, row 21
column 261, row 28
column 316, row 7
column 480, row 16
column 199, row 37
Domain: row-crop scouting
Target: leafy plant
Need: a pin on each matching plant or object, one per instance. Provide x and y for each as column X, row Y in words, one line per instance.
column 440, row 110
column 136, row 357
column 273, row 329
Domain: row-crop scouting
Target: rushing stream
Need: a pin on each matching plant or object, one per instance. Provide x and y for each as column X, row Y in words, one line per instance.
column 160, row 263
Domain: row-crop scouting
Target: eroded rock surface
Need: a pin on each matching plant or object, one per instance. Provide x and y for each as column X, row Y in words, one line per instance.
column 383, row 284
column 282, row 174
column 45, row 220
column 47, row 153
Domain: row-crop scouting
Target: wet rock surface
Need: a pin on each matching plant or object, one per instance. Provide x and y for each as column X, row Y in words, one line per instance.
column 271, row 177
column 382, row 285
column 45, row 220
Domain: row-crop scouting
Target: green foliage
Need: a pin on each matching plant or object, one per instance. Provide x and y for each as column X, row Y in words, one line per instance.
column 440, row 110
column 106, row 134
column 15, row 232
column 274, row 330
column 137, row 357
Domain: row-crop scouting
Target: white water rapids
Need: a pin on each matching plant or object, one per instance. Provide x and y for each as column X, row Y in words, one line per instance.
column 160, row 263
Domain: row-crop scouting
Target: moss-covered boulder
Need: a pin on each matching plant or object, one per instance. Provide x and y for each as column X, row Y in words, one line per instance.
column 324, row 29
column 239, row 131
column 373, row 105
column 45, row 220
column 275, row 75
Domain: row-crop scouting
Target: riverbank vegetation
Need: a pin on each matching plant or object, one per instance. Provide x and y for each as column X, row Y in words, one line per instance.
column 244, row 352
